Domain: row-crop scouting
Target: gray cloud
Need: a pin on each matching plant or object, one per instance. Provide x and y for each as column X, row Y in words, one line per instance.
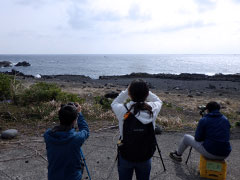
column 135, row 14
column 82, row 18
column 40, row 3
column 33, row 3
column 189, row 25
column 195, row 24
column 205, row 5
column 236, row 1
column 107, row 16
column 78, row 18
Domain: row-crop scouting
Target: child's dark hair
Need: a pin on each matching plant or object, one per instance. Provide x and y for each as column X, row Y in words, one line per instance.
column 138, row 91
column 67, row 114
column 212, row 106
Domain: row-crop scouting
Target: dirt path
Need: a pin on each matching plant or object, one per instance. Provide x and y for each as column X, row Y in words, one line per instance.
column 25, row 158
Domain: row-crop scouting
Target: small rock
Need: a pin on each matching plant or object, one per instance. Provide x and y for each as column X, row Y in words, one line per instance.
column 198, row 94
column 150, row 86
column 211, row 86
column 166, row 92
column 220, row 94
column 190, row 96
column 158, row 130
column 24, row 63
column 5, row 64
column 111, row 95
column 9, row 134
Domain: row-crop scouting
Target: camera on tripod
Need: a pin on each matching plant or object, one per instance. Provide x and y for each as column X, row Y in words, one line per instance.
column 202, row 109
column 72, row 104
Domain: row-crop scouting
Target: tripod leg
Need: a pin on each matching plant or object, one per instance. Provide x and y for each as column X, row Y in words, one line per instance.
column 160, row 156
column 85, row 163
column 189, row 155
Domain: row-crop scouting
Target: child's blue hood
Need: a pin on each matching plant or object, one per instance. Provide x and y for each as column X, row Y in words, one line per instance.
column 59, row 137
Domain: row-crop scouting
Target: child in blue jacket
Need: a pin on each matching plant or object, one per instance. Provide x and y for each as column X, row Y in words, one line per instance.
column 63, row 144
column 211, row 137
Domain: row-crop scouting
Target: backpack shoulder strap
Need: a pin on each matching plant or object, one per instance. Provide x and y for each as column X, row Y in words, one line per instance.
column 125, row 105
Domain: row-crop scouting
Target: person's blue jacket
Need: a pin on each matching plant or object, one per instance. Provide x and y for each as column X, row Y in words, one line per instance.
column 63, row 151
column 214, row 130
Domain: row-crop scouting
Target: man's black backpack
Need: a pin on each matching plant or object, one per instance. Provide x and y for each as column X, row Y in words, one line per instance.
column 138, row 143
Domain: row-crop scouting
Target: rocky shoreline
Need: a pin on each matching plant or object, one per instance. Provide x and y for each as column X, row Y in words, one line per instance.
column 182, row 76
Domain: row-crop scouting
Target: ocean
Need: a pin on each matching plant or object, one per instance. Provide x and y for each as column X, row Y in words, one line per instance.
column 113, row 64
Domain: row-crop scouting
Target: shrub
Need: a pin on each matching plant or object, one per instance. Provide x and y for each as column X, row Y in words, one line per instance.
column 69, row 97
column 40, row 92
column 237, row 124
column 5, row 86
column 104, row 102
column 47, row 111
column 45, row 92
column 95, row 112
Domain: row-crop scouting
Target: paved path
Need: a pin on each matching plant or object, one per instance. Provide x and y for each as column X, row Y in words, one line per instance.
column 25, row 159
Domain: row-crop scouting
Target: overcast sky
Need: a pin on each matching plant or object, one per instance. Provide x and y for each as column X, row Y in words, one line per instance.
column 119, row 26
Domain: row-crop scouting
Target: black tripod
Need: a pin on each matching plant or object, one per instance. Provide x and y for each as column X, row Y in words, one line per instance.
column 189, row 154
column 159, row 151
column 190, row 150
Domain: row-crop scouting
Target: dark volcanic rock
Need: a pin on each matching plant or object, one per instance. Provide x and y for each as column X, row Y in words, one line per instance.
column 24, row 63
column 18, row 73
column 5, row 64
column 183, row 76
column 211, row 86
column 158, row 130
column 111, row 95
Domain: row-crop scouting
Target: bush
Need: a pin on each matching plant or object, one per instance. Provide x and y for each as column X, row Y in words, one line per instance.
column 5, row 86
column 95, row 112
column 237, row 124
column 45, row 92
column 47, row 111
column 104, row 102
column 69, row 97
column 40, row 92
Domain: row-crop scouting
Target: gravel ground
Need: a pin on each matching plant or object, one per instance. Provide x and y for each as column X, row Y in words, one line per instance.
column 25, row 158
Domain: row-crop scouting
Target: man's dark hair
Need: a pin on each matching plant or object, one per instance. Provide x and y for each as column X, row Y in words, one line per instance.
column 67, row 114
column 212, row 106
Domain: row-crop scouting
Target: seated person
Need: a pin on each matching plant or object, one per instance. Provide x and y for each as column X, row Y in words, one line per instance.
column 63, row 144
column 211, row 137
